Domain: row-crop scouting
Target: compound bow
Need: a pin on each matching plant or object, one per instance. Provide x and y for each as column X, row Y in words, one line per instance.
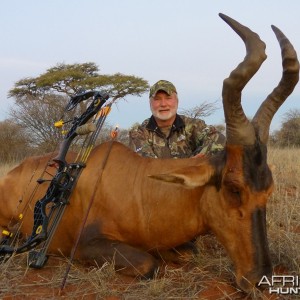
column 49, row 210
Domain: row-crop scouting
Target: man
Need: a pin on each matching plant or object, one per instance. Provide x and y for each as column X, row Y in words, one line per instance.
column 169, row 135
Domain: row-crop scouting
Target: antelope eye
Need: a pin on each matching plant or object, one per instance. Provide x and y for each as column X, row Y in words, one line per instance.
column 234, row 196
column 236, row 192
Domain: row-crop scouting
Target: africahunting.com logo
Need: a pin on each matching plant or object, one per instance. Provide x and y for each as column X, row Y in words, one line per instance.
column 281, row 284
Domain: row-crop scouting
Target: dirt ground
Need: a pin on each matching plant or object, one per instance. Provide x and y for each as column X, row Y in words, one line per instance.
column 187, row 281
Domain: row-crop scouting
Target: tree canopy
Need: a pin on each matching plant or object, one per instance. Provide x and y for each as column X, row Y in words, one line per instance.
column 40, row 101
column 69, row 79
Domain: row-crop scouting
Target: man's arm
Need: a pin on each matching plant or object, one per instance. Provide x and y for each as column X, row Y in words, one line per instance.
column 209, row 140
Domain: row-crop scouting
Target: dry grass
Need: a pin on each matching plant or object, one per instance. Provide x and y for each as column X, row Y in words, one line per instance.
column 284, row 209
column 208, row 275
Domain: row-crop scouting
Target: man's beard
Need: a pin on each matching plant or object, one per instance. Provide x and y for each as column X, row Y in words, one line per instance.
column 164, row 116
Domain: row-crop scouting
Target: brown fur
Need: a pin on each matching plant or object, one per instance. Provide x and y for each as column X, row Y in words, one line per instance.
column 134, row 214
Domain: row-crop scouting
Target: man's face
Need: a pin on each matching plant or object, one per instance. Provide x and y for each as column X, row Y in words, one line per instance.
column 164, row 106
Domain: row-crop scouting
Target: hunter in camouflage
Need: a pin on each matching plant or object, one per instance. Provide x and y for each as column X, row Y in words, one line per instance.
column 169, row 135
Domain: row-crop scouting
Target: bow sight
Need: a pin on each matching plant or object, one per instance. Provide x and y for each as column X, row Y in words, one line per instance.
column 49, row 210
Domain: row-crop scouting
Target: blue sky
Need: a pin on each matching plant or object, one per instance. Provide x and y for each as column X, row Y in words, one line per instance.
column 182, row 41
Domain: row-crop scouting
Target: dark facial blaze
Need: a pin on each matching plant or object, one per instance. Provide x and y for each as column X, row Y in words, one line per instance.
column 257, row 174
column 259, row 236
column 246, row 180
column 258, row 177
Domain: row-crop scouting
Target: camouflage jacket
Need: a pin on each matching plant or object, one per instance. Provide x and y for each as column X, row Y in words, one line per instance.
column 187, row 137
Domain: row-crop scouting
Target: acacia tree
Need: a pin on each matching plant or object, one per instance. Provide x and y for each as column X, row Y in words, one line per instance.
column 69, row 79
column 39, row 101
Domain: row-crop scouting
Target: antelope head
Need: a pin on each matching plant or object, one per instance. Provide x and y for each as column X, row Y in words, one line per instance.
column 246, row 180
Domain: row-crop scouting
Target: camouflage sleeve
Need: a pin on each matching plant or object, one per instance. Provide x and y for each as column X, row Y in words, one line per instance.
column 209, row 140
column 204, row 139
column 139, row 142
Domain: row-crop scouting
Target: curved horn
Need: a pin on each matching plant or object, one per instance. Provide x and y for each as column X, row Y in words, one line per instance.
column 289, row 79
column 238, row 128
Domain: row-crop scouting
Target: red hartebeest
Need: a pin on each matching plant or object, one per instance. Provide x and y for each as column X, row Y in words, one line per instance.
column 143, row 205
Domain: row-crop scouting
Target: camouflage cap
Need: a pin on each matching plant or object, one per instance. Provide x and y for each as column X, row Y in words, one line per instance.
column 162, row 85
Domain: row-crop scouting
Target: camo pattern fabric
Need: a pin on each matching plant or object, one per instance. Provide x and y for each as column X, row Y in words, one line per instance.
column 186, row 138
column 162, row 85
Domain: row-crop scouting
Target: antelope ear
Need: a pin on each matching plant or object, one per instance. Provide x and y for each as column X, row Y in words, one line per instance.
column 189, row 177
